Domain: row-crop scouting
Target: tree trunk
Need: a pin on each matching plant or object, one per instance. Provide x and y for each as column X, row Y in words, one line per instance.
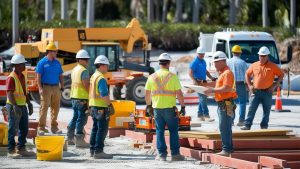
column 196, row 4
column 150, row 9
column 165, row 11
column 293, row 14
column 178, row 14
column 79, row 10
column 48, row 10
column 157, row 10
column 64, row 9
column 15, row 21
column 90, row 13
column 232, row 12
column 265, row 17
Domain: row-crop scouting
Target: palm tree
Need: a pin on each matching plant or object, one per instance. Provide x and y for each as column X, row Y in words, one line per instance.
column 178, row 14
column 150, row 10
column 196, row 6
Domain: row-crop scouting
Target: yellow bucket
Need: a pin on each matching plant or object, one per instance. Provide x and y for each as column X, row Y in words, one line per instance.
column 49, row 148
column 3, row 134
column 124, row 110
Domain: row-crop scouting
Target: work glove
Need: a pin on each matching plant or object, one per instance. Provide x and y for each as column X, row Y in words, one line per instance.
column 149, row 111
column 111, row 110
column 17, row 110
column 182, row 111
column 214, row 79
column 30, row 108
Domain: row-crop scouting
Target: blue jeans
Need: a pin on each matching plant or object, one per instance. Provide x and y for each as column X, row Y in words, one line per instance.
column 202, row 108
column 79, row 117
column 163, row 117
column 265, row 98
column 17, row 124
column 225, row 125
column 100, row 128
column 241, row 100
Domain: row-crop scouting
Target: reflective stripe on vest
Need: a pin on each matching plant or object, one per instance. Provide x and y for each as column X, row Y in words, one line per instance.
column 161, row 86
column 95, row 98
column 19, row 95
column 77, row 89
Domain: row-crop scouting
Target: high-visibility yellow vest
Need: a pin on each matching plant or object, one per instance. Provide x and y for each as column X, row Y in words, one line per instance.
column 77, row 89
column 19, row 95
column 163, row 86
column 95, row 98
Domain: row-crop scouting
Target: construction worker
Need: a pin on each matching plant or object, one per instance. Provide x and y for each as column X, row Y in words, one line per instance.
column 79, row 94
column 162, row 87
column 239, row 68
column 263, row 73
column 100, row 106
column 198, row 73
column 16, row 107
column 224, row 96
column 49, row 76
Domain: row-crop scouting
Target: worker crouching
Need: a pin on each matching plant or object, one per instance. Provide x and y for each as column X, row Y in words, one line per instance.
column 101, row 108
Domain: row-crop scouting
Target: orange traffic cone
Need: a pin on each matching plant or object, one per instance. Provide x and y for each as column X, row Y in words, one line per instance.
column 278, row 102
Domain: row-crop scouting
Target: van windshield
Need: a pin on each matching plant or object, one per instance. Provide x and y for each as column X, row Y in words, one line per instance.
column 251, row 48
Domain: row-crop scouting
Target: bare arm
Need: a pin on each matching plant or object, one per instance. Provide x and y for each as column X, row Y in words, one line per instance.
column 11, row 97
column 39, row 82
column 180, row 97
column 191, row 74
column 86, row 84
column 148, row 97
column 209, row 75
column 61, row 80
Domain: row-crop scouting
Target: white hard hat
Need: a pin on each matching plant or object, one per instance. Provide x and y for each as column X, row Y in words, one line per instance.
column 200, row 50
column 102, row 60
column 263, row 51
column 164, row 56
column 219, row 55
column 82, row 54
column 18, row 59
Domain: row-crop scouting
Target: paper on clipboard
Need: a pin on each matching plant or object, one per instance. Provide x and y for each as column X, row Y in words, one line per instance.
column 196, row 88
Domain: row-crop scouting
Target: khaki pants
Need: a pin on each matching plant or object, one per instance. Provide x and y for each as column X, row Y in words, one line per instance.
column 50, row 97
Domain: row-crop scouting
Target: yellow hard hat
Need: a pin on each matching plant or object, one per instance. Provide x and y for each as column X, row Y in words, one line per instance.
column 236, row 49
column 51, row 46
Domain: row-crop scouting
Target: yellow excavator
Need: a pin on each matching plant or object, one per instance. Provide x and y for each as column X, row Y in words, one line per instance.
column 111, row 42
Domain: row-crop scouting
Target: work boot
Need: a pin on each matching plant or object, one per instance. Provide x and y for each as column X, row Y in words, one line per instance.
column 24, row 153
column 79, row 141
column 70, row 136
column 223, row 153
column 177, row 157
column 42, row 132
column 263, row 127
column 12, row 154
column 208, row 119
column 92, row 153
column 240, row 123
column 102, row 155
column 161, row 158
column 201, row 118
column 245, row 128
column 56, row 131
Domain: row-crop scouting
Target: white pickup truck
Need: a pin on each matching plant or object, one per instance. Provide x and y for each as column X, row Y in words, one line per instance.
column 250, row 42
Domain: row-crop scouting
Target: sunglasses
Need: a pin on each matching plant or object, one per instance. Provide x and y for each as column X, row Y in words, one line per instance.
column 263, row 56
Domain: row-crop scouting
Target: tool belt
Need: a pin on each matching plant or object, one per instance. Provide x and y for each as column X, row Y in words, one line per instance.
column 228, row 106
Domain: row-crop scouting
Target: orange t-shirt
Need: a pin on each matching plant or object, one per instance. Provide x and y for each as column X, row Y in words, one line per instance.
column 263, row 74
column 226, row 78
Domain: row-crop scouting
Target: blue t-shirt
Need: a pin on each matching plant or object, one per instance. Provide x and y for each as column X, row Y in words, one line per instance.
column 50, row 70
column 198, row 67
column 103, row 88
